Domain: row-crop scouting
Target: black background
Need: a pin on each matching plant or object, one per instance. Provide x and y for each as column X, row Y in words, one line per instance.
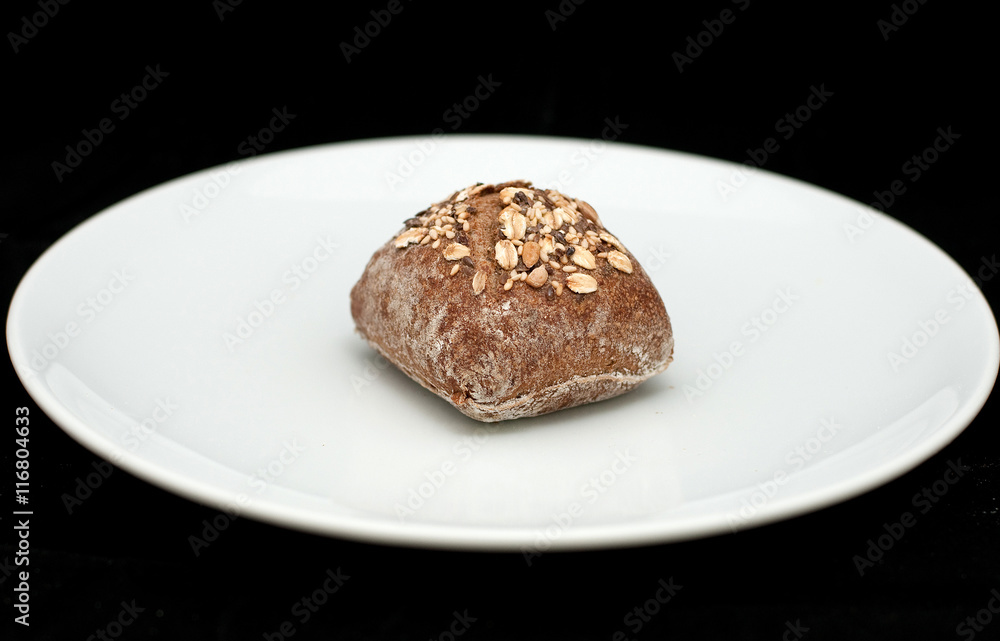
column 892, row 91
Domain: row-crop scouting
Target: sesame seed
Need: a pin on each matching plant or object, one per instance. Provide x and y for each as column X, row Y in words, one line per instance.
column 454, row 270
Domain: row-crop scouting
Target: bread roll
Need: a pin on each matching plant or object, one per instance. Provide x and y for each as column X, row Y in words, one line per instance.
column 511, row 301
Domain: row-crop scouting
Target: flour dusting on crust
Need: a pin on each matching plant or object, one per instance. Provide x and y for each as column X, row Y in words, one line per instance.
column 509, row 300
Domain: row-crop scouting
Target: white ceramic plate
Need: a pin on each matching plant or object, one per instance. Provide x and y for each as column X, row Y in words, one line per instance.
column 198, row 335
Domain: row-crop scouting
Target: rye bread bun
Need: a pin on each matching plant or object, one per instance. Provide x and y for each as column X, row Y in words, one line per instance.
column 509, row 301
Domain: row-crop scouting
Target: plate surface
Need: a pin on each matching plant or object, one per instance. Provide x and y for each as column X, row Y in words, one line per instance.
column 198, row 335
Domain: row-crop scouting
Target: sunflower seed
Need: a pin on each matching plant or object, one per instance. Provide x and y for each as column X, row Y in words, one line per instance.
column 537, row 277
column 530, row 254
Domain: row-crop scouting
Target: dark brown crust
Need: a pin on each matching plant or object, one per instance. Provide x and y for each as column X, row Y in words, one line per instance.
column 503, row 354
